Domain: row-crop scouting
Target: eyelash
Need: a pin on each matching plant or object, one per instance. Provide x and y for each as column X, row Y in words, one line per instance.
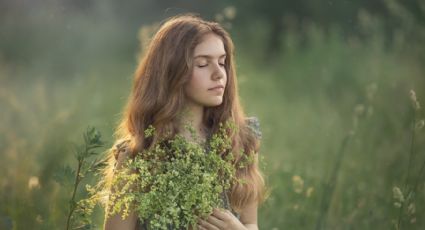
column 201, row 66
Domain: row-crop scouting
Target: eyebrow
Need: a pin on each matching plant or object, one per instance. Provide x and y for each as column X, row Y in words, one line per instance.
column 208, row 56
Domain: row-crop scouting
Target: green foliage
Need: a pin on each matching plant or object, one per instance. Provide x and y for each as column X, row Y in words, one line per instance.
column 64, row 176
column 176, row 182
column 88, row 162
column 405, row 198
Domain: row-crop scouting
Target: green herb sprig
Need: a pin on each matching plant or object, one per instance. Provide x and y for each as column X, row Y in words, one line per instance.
column 176, row 182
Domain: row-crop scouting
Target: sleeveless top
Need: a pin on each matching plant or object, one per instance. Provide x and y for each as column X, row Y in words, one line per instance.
column 251, row 122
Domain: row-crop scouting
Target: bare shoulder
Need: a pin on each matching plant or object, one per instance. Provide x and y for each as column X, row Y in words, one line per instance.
column 121, row 150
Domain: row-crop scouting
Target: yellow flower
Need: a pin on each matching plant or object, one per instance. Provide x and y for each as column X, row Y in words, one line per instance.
column 33, row 182
column 297, row 183
column 309, row 191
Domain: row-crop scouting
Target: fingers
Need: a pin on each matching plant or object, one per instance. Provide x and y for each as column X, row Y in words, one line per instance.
column 215, row 221
column 222, row 214
column 219, row 219
column 201, row 228
column 207, row 225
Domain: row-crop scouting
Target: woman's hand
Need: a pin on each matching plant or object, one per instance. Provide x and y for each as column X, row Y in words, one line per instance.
column 221, row 219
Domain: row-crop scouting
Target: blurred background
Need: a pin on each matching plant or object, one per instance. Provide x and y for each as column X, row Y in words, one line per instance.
column 336, row 85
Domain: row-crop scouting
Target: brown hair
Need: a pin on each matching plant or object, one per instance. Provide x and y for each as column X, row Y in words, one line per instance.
column 157, row 99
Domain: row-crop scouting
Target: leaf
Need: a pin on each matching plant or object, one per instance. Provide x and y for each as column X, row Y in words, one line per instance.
column 92, row 136
column 64, row 176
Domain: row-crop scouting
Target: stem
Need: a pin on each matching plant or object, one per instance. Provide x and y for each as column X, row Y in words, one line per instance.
column 72, row 206
column 330, row 186
column 408, row 195
column 418, row 177
column 400, row 212
column 406, row 182
column 411, row 155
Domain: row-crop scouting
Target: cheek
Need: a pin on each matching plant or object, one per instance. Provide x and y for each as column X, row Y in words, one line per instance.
column 196, row 85
column 199, row 80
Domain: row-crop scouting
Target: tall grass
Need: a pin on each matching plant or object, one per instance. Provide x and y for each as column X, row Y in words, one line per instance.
column 305, row 102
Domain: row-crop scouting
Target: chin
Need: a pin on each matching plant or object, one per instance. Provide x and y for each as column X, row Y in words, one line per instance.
column 214, row 104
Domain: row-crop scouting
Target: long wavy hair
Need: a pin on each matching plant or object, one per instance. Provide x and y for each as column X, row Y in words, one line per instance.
column 157, row 98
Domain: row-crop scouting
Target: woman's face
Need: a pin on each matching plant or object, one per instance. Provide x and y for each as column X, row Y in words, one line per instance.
column 208, row 72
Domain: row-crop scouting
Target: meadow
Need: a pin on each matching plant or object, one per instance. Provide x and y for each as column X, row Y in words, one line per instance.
column 341, row 117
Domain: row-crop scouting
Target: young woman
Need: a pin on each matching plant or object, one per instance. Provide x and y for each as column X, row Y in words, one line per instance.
column 188, row 75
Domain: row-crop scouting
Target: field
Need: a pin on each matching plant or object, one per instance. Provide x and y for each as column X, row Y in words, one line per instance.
column 343, row 127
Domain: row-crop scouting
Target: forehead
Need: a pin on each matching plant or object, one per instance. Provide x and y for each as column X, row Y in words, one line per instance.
column 211, row 46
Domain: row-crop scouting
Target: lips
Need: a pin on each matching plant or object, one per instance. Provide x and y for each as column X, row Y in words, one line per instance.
column 217, row 87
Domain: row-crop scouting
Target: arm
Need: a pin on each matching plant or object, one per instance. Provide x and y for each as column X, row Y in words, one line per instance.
column 249, row 216
column 249, row 213
column 251, row 226
column 115, row 222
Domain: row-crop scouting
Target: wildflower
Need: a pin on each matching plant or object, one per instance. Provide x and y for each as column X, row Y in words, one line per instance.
column 309, row 191
column 39, row 219
column 415, row 102
column 398, row 196
column 229, row 12
column 411, row 209
column 297, row 183
column 33, row 183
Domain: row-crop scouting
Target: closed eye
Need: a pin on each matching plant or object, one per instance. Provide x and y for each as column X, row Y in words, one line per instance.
column 201, row 66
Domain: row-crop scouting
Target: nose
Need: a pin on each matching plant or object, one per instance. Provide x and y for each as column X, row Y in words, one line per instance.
column 219, row 72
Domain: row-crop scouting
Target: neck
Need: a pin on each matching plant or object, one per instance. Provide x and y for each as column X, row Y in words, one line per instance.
column 193, row 115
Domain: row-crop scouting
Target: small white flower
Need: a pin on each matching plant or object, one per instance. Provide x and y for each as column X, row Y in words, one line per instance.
column 229, row 12
column 298, row 184
column 398, row 194
column 33, row 183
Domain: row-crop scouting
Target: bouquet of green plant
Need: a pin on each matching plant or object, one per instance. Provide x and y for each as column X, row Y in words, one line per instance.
column 176, row 182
